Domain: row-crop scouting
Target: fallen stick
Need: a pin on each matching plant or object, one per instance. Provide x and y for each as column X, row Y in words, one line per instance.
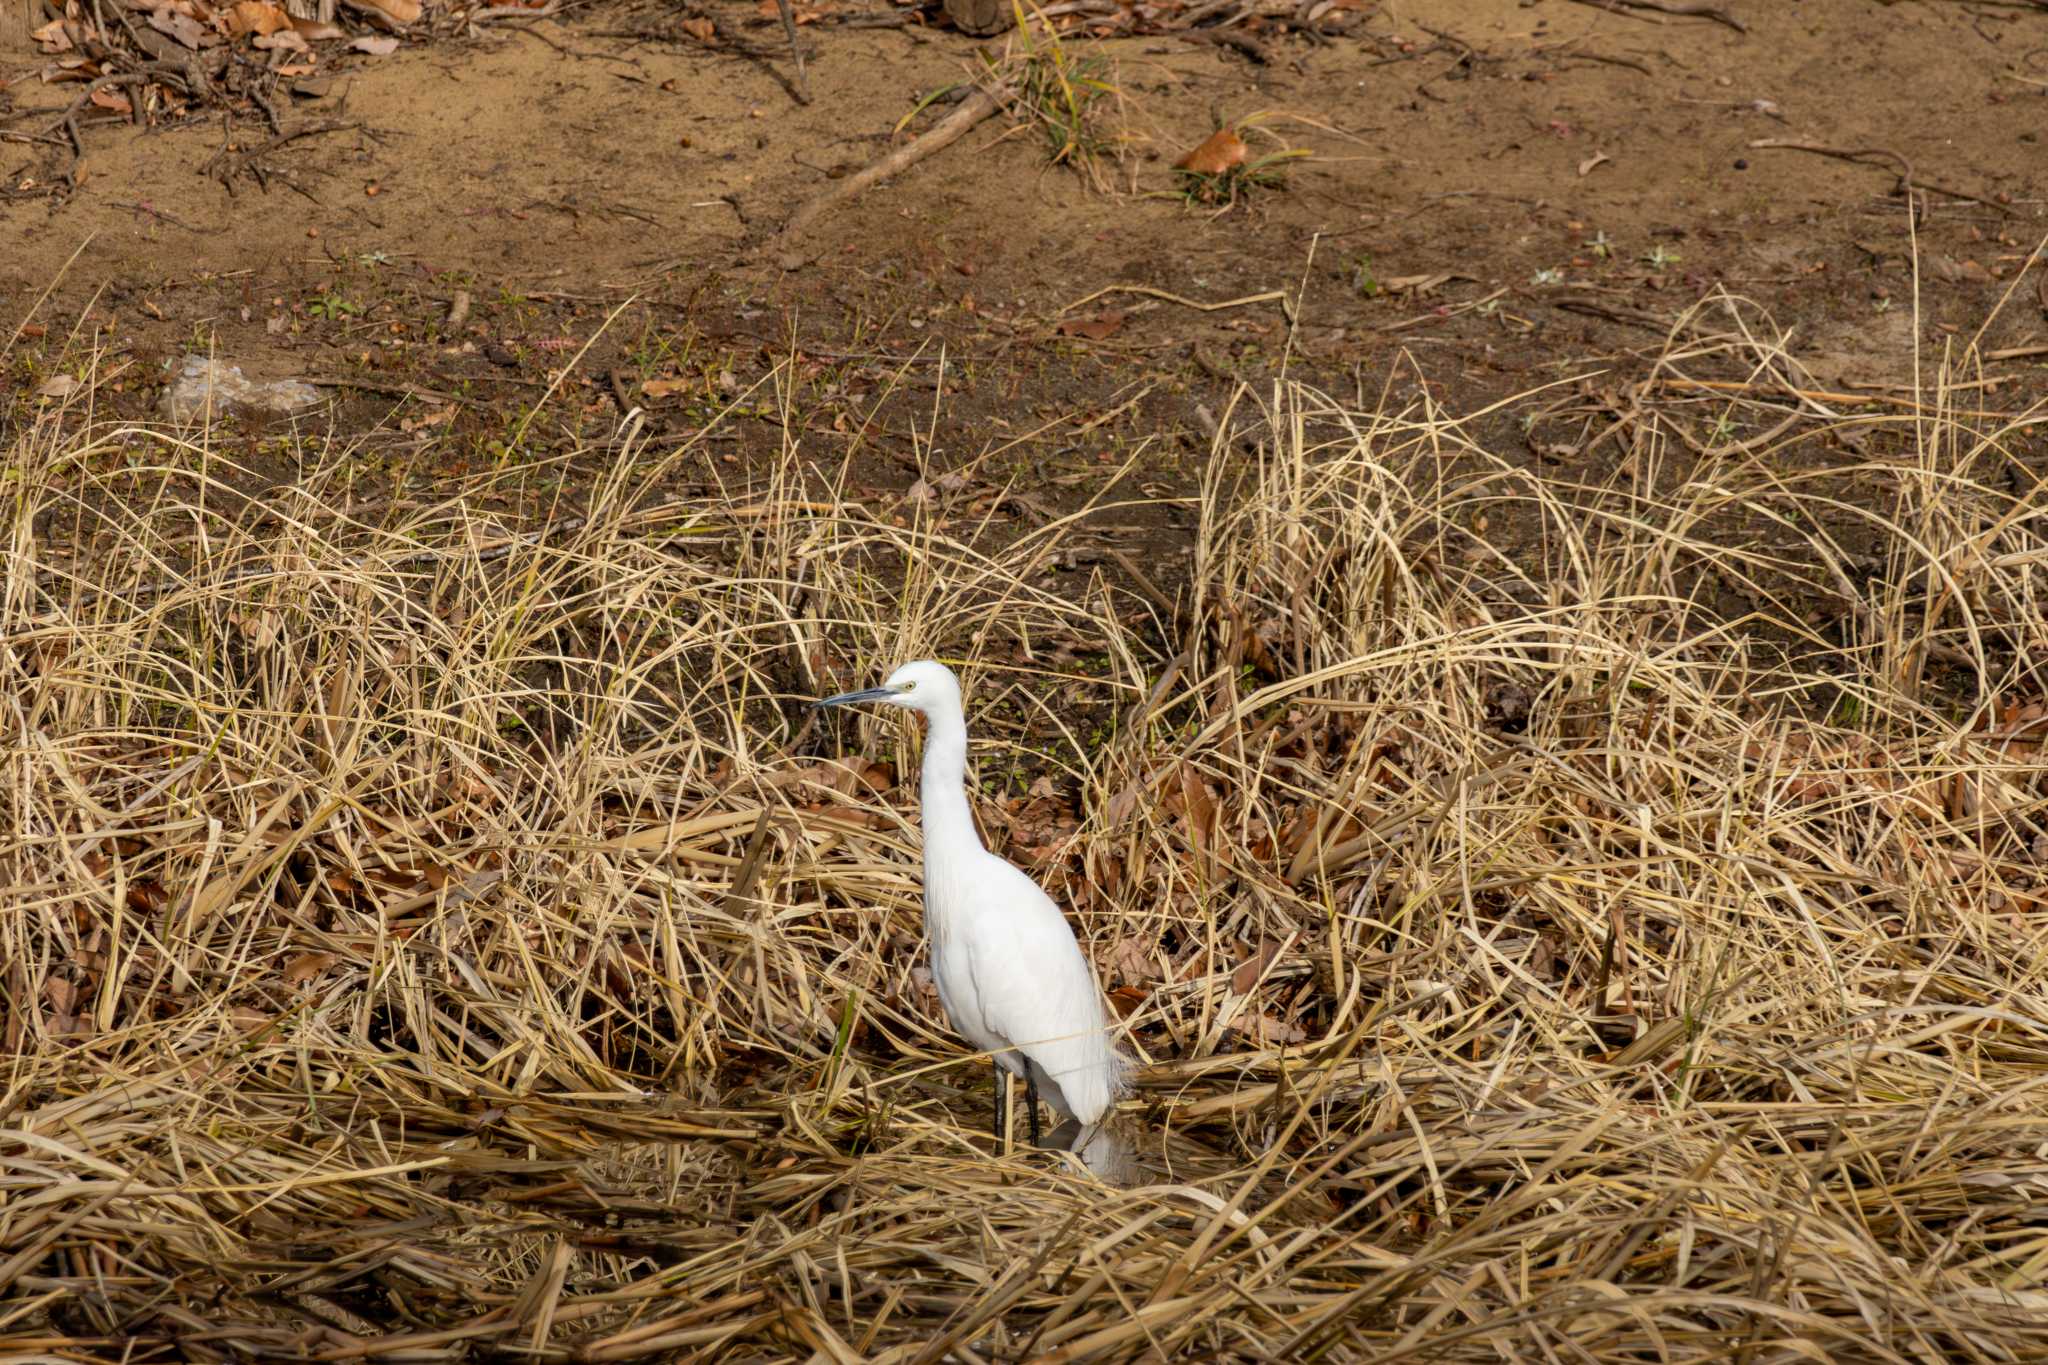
column 1862, row 155
column 1687, row 10
column 1269, row 296
column 940, row 135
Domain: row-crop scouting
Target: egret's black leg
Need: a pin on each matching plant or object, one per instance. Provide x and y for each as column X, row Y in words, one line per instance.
column 1002, row 1106
column 1031, row 1098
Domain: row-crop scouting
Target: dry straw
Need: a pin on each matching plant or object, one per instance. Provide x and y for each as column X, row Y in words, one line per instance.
column 1591, row 918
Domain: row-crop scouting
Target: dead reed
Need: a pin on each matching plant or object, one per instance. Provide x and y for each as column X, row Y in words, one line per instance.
column 1564, row 919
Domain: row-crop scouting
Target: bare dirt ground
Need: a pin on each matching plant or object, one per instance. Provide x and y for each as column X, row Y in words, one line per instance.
column 1505, row 193
column 1523, row 663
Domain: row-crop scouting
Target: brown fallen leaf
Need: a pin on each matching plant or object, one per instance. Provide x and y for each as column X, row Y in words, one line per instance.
column 398, row 12
column 654, row 390
column 439, row 417
column 60, row 995
column 306, row 966
column 148, row 896
column 189, row 32
column 1126, row 1000
column 284, row 40
column 1267, row 1030
column 375, row 46
column 52, row 37
column 1131, row 959
column 246, row 1018
column 1254, row 966
column 113, row 101
column 1597, row 159
column 1218, row 153
column 701, row 29
column 314, row 31
column 254, row 16
column 1098, row 328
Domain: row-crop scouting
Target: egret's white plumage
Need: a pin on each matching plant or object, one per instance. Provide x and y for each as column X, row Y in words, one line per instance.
column 1010, row 974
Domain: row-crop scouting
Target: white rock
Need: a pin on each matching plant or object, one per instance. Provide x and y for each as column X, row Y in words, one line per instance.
column 204, row 385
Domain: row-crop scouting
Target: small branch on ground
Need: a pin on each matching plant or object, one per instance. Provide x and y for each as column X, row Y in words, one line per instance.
column 1689, row 9
column 1907, row 179
column 940, row 135
column 1230, row 37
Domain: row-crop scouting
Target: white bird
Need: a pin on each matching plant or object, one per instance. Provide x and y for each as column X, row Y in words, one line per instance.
column 1013, row 980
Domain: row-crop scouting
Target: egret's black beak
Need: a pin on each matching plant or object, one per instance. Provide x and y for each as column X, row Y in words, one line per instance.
column 848, row 698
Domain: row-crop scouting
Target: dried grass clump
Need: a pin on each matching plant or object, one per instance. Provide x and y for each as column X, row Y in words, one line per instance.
column 1562, row 920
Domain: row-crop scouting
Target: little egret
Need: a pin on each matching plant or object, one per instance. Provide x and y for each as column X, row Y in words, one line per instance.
column 1013, row 980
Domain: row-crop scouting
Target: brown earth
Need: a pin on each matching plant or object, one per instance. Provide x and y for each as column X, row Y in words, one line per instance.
column 561, row 171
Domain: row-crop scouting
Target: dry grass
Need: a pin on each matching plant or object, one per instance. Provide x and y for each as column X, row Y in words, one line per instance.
column 1563, row 922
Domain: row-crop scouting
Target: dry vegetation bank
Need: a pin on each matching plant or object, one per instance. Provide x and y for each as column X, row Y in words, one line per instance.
column 1562, row 921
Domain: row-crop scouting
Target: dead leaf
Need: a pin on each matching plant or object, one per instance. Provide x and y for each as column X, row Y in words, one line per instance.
column 52, row 37
column 1586, row 166
column 60, row 995
column 1268, row 1031
column 1199, row 806
column 306, row 966
column 112, row 100
column 1131, row 959
column 59, row 387
column 376, row 47
column 313, row 31
column 1254, row 966
column 654, row 390
column 254, row 16
column 182, row 27
column 285, row 40
column 399, row 12
column 439, row 417
column 701, row 29
column 1098, row 328
column 1217, row 154
column 1126, row 1000
column 148, row 896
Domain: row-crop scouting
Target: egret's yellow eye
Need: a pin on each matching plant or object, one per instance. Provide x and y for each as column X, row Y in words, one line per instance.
column 910, row 687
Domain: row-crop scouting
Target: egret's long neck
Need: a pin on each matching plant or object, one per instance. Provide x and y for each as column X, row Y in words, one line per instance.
column 948, row 825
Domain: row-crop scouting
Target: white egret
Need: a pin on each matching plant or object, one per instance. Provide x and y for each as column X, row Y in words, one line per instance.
column 1010, row 974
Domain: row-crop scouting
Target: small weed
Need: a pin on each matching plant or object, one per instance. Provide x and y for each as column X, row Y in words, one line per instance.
column 1658, row 257
column 1363, row 281
column 1599, row 245
column 331, row 306
column 1547, row 276
column 1065, row 97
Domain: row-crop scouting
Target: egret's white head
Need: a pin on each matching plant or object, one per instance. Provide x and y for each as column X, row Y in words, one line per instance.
column 924, row 686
